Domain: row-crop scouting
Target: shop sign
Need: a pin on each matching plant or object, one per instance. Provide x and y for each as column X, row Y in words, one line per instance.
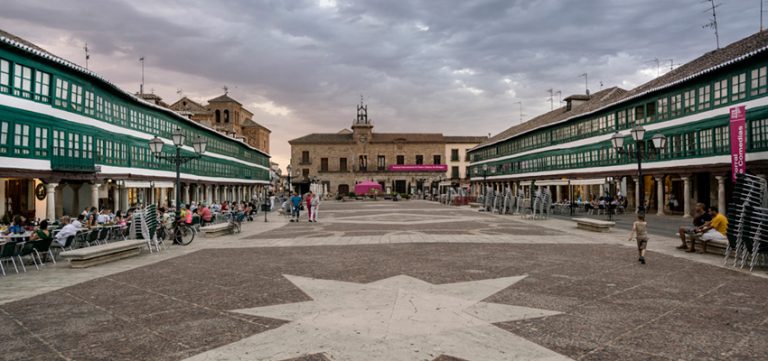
column 40, row 192
column 738, row 141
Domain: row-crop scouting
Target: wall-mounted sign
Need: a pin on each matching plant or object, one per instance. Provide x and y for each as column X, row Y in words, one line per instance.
column 40, row 192
column 417, row 167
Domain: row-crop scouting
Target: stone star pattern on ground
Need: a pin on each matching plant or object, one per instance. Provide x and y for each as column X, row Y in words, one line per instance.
column 398, row 318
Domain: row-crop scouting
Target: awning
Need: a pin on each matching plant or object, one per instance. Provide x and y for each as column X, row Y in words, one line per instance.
column 581, row 182
column 146, row 184
column 552, row 182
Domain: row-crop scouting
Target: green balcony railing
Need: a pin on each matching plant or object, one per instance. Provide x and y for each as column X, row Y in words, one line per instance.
column 74, row 164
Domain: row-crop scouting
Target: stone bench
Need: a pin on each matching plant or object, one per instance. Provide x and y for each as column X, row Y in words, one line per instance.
column 95, row 255
column 594, row 225
column 215, row 230
column 475, row 205
column 714, row 247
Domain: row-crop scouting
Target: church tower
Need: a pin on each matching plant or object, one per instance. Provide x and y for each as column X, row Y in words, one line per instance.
column 362, row 127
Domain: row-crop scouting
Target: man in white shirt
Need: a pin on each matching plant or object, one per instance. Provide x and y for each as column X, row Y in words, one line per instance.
column 76, row 222
column 68, row 230
column 103, row 217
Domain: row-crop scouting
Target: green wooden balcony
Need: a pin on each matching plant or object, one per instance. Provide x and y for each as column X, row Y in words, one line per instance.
column 72, row 164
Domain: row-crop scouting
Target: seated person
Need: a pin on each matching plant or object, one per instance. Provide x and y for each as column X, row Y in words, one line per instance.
column 713, row 230
column 41, row 233
column 68, row 229
column 17, row 227
column 700, row 217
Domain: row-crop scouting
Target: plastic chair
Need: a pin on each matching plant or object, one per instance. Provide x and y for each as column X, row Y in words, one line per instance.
column 8, row 253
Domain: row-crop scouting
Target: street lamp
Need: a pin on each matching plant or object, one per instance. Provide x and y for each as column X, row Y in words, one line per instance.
column 288, row 168
column 485, row 175
column 638, row 134
column 178, row 137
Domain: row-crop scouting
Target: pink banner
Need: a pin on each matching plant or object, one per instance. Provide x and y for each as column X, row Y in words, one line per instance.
column 738, row 140
column 417, row 167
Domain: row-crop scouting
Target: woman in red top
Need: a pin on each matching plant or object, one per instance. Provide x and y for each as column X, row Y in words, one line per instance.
column 309, row 205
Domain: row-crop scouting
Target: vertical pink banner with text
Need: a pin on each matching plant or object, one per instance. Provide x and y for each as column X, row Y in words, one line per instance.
column 738, row 140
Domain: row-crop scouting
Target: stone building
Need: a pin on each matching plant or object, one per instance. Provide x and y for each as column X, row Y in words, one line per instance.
column 400, row 162
column 227, row 116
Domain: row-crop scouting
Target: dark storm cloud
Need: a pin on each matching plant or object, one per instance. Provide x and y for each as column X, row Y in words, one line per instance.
column 457, row 67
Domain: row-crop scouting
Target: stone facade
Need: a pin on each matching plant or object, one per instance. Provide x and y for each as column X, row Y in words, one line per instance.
column 340, row 160
column 227, row 116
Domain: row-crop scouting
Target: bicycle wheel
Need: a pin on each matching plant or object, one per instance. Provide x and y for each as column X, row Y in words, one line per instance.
column 185, row 235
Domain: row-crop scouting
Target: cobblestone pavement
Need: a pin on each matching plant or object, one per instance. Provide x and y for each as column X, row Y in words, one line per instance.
column 184, row 302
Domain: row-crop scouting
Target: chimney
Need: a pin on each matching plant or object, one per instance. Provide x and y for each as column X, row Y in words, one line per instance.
column 575, row 100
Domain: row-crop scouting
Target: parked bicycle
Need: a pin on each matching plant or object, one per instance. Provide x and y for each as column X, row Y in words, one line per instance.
column 180, row 233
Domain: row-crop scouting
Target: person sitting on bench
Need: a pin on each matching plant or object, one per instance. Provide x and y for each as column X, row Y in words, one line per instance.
column 700, row 217
column 714, row 230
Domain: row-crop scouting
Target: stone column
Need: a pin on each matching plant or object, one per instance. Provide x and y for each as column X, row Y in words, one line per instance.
column 638, row 194
column 686, row 197
column 163, row 196
column 208, row 195
column 659, row 195
column 50, row 206
column 720, row 193
column 95, row 195
column 185, row 195
column 116, row 197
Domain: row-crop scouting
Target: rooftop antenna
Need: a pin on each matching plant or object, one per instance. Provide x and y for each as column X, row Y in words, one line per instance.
column 559, row 96
column 671, row 64
column 521, row 110
column 226, row 90
column 87, row 54
column 179, row 93
column 713, row 22
column 761, row 15
column 551, row 98
column 141, row 87
column 586, row 82
column 658, row 66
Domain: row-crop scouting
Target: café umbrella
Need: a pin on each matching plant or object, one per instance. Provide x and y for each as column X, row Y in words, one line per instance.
column 365, row 187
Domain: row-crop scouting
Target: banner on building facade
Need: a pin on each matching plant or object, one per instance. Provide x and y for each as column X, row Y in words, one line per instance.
column 417, row 167
column 738, row 140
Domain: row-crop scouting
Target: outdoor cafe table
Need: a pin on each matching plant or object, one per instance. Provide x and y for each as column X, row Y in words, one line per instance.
column 8, row 237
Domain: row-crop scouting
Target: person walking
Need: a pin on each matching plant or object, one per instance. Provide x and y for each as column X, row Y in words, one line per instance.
column 640, row 231
column 314, row 205
column 308, row 199
column 296, row 207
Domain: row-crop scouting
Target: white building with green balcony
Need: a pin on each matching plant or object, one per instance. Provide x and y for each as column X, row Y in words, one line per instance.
column 569, row 150
column 69, row 139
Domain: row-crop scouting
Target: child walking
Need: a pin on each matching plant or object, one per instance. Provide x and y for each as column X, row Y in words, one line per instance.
column 640, row 231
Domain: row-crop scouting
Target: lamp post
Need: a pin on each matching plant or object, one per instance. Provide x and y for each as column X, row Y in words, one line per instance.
column 485, row 175
column 608, row 199
column 638, row 134
column 288, row 168
column 178, row 137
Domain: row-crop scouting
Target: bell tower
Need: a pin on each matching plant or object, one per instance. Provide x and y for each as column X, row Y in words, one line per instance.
column 362, row 127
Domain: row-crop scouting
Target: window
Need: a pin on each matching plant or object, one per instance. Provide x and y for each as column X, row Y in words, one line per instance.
column 3, row 137
column 41, row 142
column 88, row 146
column 759, row 134
column 437, row 159
column 640, row 114
column 689, row 101
column 650, row 111
column 621, row 116
column 5, row 76
column 722, row 143
column 59, row 143
column 99, row 107
column 305, row 157
column 362, row 164
column 381, row 162
column 21, row 139
column 343, row 164
column 705, row 94
column 739, row 87
column 419, row 159
column 22, row 81
column 323, row 164
column 76, row 98
column 226, row 115
column 42, row 86
column 705, row 141
column 305, row 172
column 89, row 102
column 454, row 155
column 455, row 172
column 73, row 151
column 62, row 92
column 662, row 108
column 758, row 77
column 721, row 92
column 400, row 159
column 676, row 105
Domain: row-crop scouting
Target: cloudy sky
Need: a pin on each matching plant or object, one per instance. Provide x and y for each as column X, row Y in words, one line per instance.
column 457, row 67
